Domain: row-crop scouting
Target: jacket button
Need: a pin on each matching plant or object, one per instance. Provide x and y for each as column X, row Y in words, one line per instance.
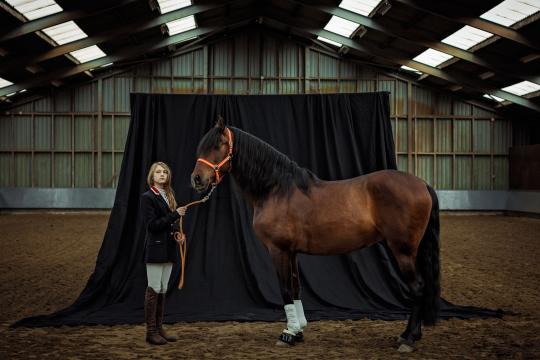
column 172, row 233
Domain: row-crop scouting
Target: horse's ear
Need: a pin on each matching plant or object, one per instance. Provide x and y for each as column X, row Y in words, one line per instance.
column 220, row 123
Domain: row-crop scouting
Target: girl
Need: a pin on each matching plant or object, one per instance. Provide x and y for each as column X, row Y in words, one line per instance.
column 159, row 213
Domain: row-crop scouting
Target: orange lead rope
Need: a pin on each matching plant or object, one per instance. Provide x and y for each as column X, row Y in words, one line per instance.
column 180, row 236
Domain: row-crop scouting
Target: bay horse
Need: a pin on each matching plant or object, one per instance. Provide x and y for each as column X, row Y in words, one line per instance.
column 292, row 208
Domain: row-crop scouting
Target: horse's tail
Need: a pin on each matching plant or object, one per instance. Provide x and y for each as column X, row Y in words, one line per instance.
column 429, row 266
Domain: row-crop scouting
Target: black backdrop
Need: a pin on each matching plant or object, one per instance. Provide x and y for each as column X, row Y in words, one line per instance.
column 229, row 275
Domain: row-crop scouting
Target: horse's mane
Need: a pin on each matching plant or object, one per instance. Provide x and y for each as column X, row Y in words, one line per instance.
column 259, row 168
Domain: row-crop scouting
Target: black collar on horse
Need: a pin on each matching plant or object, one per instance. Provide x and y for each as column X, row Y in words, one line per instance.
column 296, row 212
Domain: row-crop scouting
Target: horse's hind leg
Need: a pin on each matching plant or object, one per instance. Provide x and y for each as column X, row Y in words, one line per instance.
column 296, row 298
column 414, row 280
column 282, row 263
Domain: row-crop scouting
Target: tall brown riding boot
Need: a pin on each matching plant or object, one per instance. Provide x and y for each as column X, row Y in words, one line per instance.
column 159, row 319
column 150, row 305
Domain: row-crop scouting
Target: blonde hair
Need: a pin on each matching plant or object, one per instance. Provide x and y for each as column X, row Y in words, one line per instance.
column 167, row 186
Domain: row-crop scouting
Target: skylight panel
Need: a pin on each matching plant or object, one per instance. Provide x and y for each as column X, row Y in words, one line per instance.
column 493, row 97
column 35, row 9
column 432, row 57
column 87, row 54
column 166, row 6
column 510, row 12
column 362, row 7
column 329, row 41
column 522, row 88
column 181, row 25
column 411, row 69
column 4, row 83
column 65, row 33
column 341, row 26
column 467, row 37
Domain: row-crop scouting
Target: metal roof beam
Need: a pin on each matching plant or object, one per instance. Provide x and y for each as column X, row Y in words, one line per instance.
column 125, row 53
column 403, row 60
column 24, row 61
column 59, row 18
column 429, row 43
column 479, row 23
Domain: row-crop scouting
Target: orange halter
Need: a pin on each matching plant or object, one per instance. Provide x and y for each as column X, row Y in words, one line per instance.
column 217, row 167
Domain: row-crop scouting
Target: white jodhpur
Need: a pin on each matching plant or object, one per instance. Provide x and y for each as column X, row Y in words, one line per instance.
column 293, row 325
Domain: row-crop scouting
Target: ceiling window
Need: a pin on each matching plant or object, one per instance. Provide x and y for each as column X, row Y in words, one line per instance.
column 522, row 88
column 467, row 37
column 35, row 9
column 4, row 83
column 87, row 54
column 510, row 12
column 341, row 26
column 166, row 6
column 432, row 57
column 362, row 7
column 181, row 25
column 65, row 33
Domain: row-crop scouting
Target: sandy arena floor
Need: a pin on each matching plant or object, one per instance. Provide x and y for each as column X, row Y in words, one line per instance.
column 490, row 261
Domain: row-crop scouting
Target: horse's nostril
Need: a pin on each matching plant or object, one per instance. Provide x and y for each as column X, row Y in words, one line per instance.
column 197, row 179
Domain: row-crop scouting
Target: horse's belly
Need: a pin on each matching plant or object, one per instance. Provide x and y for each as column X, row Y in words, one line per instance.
column 340, row 241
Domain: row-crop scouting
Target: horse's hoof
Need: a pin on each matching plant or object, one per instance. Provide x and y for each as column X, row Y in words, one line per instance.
column 299, row 337
column 404, row 348
column 286, row 339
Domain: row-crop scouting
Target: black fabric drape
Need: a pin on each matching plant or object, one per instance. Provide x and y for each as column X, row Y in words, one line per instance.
column 229, row 275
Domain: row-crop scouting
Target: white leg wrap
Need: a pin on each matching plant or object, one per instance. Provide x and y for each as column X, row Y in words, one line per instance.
column 300, row 314
column 293, row 326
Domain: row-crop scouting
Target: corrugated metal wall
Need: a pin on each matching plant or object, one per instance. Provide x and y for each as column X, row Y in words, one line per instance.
column 76, row 138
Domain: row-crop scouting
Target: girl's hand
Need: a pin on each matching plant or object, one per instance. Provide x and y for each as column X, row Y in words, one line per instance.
column 182, row 210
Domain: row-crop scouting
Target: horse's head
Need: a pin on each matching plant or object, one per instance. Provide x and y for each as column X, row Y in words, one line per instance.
column 214, row 155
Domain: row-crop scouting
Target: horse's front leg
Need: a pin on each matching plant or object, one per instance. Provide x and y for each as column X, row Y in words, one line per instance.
column 282, row 263
column 296, row 298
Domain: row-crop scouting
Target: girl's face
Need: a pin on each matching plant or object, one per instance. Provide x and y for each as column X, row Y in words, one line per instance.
column 161, row 176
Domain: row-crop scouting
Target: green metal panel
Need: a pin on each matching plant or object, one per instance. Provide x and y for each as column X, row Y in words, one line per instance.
column 182, row 65
column 461, row 108
column 122, row 87
column 199, row 61
column 482, row 173
column 269, row 60
column 444, row 104
column 501, row 136
column 270, row 87
column 347, row 70
column 462, row 135
column 22, row 125
column 424, row 168
column 42, row 170
column 401, row 99
column 6, row 133
column 84, row 98
column 423, row 101
column 220, row 86
column 182, row 86
column 140, row 84
column 313, row 86
column 500, row 171
column 121, row 128
column 313, row 64
column 443, row 135
column 388, row 85
column 221, row 59
column 482, row 136
column 402, row 139
column 83, row 170
column 328, row 66
column 117, row 165
column 84, row 133
column 329, row 86
column 290, row 87
column 23, row 108
column 42, row 136
column 106, row 133
column 43, row 105
column 443, row 172
column 23, row 170
column 199, row 86
column 479, row 112
column 62, row 132
column 254, row 56
column 6, row 170
column 108, row 94
column 107, row 179
column 402, row 163
column 424, row 135
column 347, row 86
column 162, row 68
column 366, row 86
column 290, row 60
column 463, row 172
column 240, row 59
column 62, row 169
column 161, row 86
column 254, row 86
column 62, row 101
